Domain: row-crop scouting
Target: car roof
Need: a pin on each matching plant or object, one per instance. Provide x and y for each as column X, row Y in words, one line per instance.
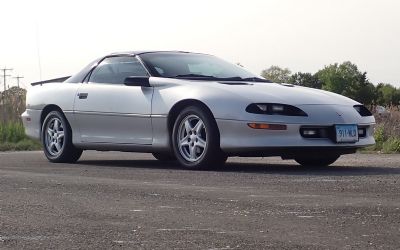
column 79, row 77
column 139, row 52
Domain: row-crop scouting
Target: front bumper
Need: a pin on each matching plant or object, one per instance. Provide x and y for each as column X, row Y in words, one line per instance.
column 237, row 138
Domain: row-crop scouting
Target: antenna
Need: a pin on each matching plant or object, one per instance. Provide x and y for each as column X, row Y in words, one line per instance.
column 38, row 50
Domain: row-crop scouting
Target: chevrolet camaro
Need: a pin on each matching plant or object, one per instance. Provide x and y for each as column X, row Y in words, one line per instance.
column 192, row 108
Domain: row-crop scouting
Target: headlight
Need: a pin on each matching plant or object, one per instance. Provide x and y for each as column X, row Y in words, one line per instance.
column 275, row 109
column 362, row 110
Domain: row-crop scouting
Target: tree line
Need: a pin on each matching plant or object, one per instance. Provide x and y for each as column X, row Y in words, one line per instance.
column 12, row 104
column 345, row 79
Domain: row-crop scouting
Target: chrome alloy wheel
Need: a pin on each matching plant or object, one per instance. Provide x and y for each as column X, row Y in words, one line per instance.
column 54, row 139
column 192, row 138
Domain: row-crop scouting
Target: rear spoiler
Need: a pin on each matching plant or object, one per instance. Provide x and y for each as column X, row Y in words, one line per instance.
column 61, row 79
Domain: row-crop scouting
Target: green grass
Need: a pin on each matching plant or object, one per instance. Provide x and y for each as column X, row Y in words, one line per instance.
column 11, row 132
column 391, row 145
column 384, row 143
column 13, row 138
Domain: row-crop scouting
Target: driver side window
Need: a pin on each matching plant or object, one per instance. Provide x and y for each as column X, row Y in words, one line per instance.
column 114, row 70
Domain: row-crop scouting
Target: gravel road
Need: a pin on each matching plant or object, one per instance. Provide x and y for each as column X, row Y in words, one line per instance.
column 131, row 201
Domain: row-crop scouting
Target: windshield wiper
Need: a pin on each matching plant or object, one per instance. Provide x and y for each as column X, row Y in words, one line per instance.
column 207, row 77
column 233, row 78
column 193, row 76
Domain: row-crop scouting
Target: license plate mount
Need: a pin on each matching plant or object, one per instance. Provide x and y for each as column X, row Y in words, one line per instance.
column 346, row 133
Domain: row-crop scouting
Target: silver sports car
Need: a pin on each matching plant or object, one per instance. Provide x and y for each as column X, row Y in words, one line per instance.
column 193, row 108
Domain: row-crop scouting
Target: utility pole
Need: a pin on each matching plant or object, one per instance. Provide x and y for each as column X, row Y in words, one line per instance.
column 5, row 76
column 18, row 77
column 5, row 69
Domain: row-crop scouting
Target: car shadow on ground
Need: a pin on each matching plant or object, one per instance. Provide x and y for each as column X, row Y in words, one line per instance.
column 294, row 169
column 261, row 168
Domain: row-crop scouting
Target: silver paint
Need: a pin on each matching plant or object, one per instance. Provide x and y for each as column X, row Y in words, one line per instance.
column 131, row 118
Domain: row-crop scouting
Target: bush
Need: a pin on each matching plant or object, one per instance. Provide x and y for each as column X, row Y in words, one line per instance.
column 387, row 131
column 380, row 137
column 12, row 137
column 12, row 132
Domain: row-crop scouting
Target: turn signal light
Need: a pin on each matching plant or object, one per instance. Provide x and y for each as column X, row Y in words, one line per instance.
column 267, row 126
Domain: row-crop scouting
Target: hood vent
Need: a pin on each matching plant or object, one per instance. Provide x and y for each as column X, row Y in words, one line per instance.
column 235, row 83
column 287, row 84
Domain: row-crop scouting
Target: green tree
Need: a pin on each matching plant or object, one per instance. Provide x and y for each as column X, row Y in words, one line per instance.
column 387, row 94
column 347, row 80
column 276, row 74
column 396, row 99
column 365, row 93
column 306, row 80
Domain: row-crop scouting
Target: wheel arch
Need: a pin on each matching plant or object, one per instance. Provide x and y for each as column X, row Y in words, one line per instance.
column 179, row 106
column 47, row 109
column 69, row 153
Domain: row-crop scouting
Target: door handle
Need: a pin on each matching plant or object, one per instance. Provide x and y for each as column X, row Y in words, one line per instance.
column 83, row 95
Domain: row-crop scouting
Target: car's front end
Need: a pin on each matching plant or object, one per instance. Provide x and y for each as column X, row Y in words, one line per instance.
column 321, row 128
column 256, row 117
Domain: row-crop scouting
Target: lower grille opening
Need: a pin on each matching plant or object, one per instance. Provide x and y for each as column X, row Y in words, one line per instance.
column 326, row 132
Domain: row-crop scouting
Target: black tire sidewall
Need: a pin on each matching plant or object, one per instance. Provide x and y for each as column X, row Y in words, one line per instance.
column 212, row 151
column 68, row 147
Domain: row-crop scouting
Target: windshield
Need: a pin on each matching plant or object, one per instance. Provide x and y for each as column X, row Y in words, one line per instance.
column 194, row 66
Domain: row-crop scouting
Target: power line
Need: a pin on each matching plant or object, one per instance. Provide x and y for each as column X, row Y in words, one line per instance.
column 5, row 69
column 18, row 78
column 5, row 76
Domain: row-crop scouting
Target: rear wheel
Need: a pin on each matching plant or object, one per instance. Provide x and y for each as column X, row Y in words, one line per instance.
column 195, row 139
column 316, row 161
column 57, row 139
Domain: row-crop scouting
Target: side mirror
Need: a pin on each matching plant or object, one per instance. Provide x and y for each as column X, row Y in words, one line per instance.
column 141, row 81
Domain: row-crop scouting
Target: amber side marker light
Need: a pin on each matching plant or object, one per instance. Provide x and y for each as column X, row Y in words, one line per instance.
column 267, row 126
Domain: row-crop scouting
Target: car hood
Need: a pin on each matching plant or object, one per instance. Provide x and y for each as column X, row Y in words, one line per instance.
column 281, row 93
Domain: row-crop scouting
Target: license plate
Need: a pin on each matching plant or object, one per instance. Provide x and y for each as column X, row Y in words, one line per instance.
column 346, row 133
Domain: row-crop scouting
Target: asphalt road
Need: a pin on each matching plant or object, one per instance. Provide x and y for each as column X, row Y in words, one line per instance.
column 131, row 201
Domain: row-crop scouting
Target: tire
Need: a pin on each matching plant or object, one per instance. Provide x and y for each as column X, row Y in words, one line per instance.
column 164, row 156
column 313, row 161
column 57, row 139
column 195, row 139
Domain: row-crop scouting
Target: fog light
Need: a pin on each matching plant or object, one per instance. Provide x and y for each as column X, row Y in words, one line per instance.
column 362, row 132
column 309, row 132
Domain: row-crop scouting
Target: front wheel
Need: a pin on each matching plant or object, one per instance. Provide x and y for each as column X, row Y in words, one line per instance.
column 195, row 139
column 57, row 139
column 316, row 161
column 164, row 156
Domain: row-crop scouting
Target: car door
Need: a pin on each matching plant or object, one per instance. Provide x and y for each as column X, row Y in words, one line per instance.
column 107, row 111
